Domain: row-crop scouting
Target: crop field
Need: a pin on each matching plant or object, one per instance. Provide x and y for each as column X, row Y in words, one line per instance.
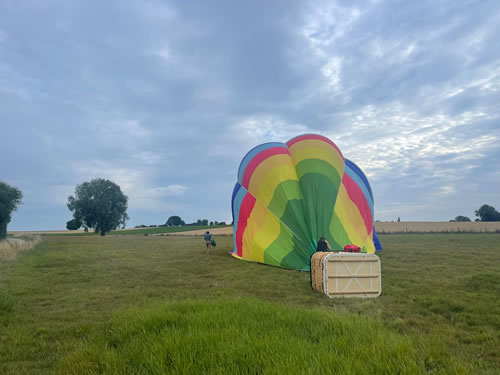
column 161, row 304
column 437, row 227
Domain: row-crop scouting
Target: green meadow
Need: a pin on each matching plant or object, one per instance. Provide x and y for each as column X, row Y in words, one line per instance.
column 161, row 304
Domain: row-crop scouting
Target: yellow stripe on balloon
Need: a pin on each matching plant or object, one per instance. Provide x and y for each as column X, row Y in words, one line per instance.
column 268, row 176
column 350, row 217
column 317, row 150
column 370, row 247
column 265, row 167
column 267, row 234
column 312, row 143
column 255, row 221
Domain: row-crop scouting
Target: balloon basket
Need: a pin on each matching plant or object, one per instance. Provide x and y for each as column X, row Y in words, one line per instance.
column 346, row 274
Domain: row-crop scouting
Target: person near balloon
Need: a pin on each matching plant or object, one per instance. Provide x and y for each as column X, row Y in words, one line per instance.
column 323, row 245
column 208, row 241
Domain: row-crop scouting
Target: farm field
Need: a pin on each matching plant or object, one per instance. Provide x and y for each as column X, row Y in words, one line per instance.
column 436, row 227
column 382, row 227
column 151, row 304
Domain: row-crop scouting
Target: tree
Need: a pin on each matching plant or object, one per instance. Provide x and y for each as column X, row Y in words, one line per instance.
column 174, row 221
column 73, row 224
column 488, row 213
column 10, row 199
column 461, row 218
column 99, row 204
column 204, row 222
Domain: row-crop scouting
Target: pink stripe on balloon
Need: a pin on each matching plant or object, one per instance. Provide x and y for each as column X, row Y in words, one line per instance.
column 246, row 209
column 358, row 197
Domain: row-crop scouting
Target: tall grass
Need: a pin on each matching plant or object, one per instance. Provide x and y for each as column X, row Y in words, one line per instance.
column 243, row 336
column 10, row 247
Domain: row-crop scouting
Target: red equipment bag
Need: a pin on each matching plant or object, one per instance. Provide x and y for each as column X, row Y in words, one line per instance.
column 352, row 249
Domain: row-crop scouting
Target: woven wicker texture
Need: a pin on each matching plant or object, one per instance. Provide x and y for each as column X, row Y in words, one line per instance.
column 317, row 270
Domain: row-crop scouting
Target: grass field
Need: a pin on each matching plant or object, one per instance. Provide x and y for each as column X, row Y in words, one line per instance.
column 143, row 304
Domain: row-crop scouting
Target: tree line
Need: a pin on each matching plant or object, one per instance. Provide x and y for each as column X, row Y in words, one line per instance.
column 485, row 213
column 176, row 221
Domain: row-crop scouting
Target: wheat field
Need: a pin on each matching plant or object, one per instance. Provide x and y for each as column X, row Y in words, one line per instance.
column 437, row 227
column 392, row 227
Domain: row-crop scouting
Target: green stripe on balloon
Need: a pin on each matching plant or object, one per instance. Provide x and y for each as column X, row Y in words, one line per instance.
column 279, row 248
column 319, row 183
column 284, row 192
column 339, row 233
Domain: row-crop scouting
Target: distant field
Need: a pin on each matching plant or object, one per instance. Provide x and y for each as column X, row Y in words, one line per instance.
column 436, row 227
column 128, row 231
column 154, row 305
column 222, row 230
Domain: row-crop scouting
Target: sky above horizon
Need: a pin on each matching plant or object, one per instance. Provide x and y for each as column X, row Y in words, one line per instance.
column 165, row 98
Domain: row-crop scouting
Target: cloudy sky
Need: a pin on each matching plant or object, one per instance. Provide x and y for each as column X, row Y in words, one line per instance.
column 165, row 99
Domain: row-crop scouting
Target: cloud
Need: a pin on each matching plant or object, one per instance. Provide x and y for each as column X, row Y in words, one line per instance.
column 166, row 99
column 171, row 190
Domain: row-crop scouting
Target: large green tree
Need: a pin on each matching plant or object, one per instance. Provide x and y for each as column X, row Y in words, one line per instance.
column 174, row 221
column 488, row 213
column 99, row 204
column 73, row 224
column 10, row 199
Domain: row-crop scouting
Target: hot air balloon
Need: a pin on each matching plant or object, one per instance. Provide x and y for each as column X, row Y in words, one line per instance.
column 288, row 195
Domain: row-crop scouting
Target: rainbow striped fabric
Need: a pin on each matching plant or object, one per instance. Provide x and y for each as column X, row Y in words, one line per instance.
column 288, row 195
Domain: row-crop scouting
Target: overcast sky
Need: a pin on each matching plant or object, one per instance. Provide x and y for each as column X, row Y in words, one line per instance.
column 165, row 99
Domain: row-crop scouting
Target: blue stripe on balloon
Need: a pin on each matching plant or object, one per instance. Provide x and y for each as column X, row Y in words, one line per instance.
column 355, row 176
column 357, row 170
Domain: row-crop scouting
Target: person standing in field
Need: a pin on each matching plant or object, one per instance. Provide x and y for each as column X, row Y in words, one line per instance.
column 208, row 241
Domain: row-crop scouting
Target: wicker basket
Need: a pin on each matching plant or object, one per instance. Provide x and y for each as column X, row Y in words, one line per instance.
column 317, row 270
column 346, row 275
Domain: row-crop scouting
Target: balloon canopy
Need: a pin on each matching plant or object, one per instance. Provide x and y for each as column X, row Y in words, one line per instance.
column 288, row 195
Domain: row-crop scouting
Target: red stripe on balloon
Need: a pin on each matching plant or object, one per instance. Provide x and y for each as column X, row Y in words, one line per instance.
column 358, row 197
column 245, row 210
column 259, row 158
column 306, row 137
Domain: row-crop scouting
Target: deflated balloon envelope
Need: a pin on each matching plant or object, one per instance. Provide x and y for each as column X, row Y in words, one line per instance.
column 288, row 195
